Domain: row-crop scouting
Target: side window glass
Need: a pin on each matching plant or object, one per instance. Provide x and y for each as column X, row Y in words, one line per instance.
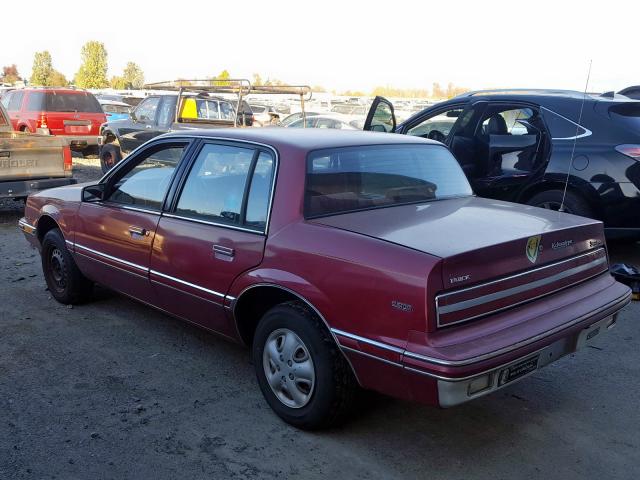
column 6, row 99
column 146, row 184
column 164, row 117
column 436, row 127
column 216, row 184
column 260, row 192
column 16, row 101
column 561, row 127
column 226, row 111
column 508, row 122
column 146, row 111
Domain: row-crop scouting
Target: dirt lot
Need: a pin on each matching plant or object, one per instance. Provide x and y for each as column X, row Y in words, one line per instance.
column 115, row 390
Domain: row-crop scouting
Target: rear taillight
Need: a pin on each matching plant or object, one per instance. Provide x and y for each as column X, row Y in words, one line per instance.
column 68, row 160
column 42, row 122
column 632, row 151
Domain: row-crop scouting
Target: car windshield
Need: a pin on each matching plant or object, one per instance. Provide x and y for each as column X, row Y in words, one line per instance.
column 361, row 178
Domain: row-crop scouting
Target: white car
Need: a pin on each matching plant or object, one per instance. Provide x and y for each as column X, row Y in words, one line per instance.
column 329, row 121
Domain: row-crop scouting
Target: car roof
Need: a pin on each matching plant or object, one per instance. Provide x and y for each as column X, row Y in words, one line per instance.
column 305, row 138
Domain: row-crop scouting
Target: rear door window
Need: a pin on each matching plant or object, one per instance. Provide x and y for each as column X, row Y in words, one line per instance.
column 35, row 102
column 228, row 185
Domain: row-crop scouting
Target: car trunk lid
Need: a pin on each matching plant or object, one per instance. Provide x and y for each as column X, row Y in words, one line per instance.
column 494, row 254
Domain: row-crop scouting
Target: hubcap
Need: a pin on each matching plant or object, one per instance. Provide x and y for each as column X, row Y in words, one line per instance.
column 289, row 368
column 56, row 267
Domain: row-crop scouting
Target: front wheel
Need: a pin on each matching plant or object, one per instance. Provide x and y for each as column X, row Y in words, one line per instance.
column 110, row 155
column 300, row 370
column 65, row 281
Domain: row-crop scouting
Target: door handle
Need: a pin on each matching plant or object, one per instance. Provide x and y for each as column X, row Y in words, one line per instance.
column 142, row 232
column 223, row 253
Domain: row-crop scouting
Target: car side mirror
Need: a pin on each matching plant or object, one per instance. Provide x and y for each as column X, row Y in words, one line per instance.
column 94, row 193
column 378, row 128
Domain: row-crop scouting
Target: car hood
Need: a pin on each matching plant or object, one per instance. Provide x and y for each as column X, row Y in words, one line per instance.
column 477, row 238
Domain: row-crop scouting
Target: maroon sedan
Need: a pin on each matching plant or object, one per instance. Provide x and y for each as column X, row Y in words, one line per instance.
column 341, row 258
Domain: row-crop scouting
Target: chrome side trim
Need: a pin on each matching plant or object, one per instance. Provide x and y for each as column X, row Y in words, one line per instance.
column 455, row 307
column 522, row 288
column 586, row 133
column 110, row 265
column 185, row 293
column 189, row 284
column 358, row 338
column 213, row 224
column 621, row 301
column 365, row 354
column 107, row 204
column 111, row 257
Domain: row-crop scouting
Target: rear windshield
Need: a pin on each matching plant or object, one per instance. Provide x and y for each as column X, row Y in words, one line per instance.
column 82, row 102
column 110, row 108
column 361, row 178
column 627, row 114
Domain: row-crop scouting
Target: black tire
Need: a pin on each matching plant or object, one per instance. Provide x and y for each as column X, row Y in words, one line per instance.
column 334, row 386
column 110, row 155
column 65, row 281
column 552, row 199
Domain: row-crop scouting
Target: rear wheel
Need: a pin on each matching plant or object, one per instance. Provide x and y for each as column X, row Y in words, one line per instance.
column 110, row 155
column 552, row 200
column 300, row 370
column 65, row 281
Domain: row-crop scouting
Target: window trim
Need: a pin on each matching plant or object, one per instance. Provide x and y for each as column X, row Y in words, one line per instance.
column 170, row 207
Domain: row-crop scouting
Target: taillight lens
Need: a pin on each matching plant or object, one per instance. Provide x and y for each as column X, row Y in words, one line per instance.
column 68, row 160
column 632, row 151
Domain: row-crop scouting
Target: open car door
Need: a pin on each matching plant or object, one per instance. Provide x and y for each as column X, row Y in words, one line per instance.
column 381, row 117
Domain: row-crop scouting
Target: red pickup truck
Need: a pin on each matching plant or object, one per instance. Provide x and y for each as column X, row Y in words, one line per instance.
column 342, row 258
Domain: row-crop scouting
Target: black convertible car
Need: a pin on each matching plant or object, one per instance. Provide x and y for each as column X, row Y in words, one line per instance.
column 517, row 145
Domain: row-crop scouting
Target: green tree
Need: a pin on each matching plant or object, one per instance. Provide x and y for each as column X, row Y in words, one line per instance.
column 118, row 83
column 57, row 79
column 223, row 75
column 10, row 74
column 257, row 80
column 133, row 76
column 42, row 69
column 93, row 71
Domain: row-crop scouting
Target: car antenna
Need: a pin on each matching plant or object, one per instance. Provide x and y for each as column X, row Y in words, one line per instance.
column 575, row 138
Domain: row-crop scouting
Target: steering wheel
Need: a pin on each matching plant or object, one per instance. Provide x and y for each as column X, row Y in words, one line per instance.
column 437, row 135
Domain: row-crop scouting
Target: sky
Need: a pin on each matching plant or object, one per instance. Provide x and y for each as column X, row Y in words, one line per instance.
column 340, row 45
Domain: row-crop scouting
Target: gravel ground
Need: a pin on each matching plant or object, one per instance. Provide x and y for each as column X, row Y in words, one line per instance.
column 115, row 390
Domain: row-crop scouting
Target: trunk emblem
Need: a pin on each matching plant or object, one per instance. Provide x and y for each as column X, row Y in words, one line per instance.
column 533, row 248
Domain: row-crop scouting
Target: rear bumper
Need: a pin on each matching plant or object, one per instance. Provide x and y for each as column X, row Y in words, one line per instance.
column 455, row 391
column 24, row 188
column 462, row 363
column 80, row 142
